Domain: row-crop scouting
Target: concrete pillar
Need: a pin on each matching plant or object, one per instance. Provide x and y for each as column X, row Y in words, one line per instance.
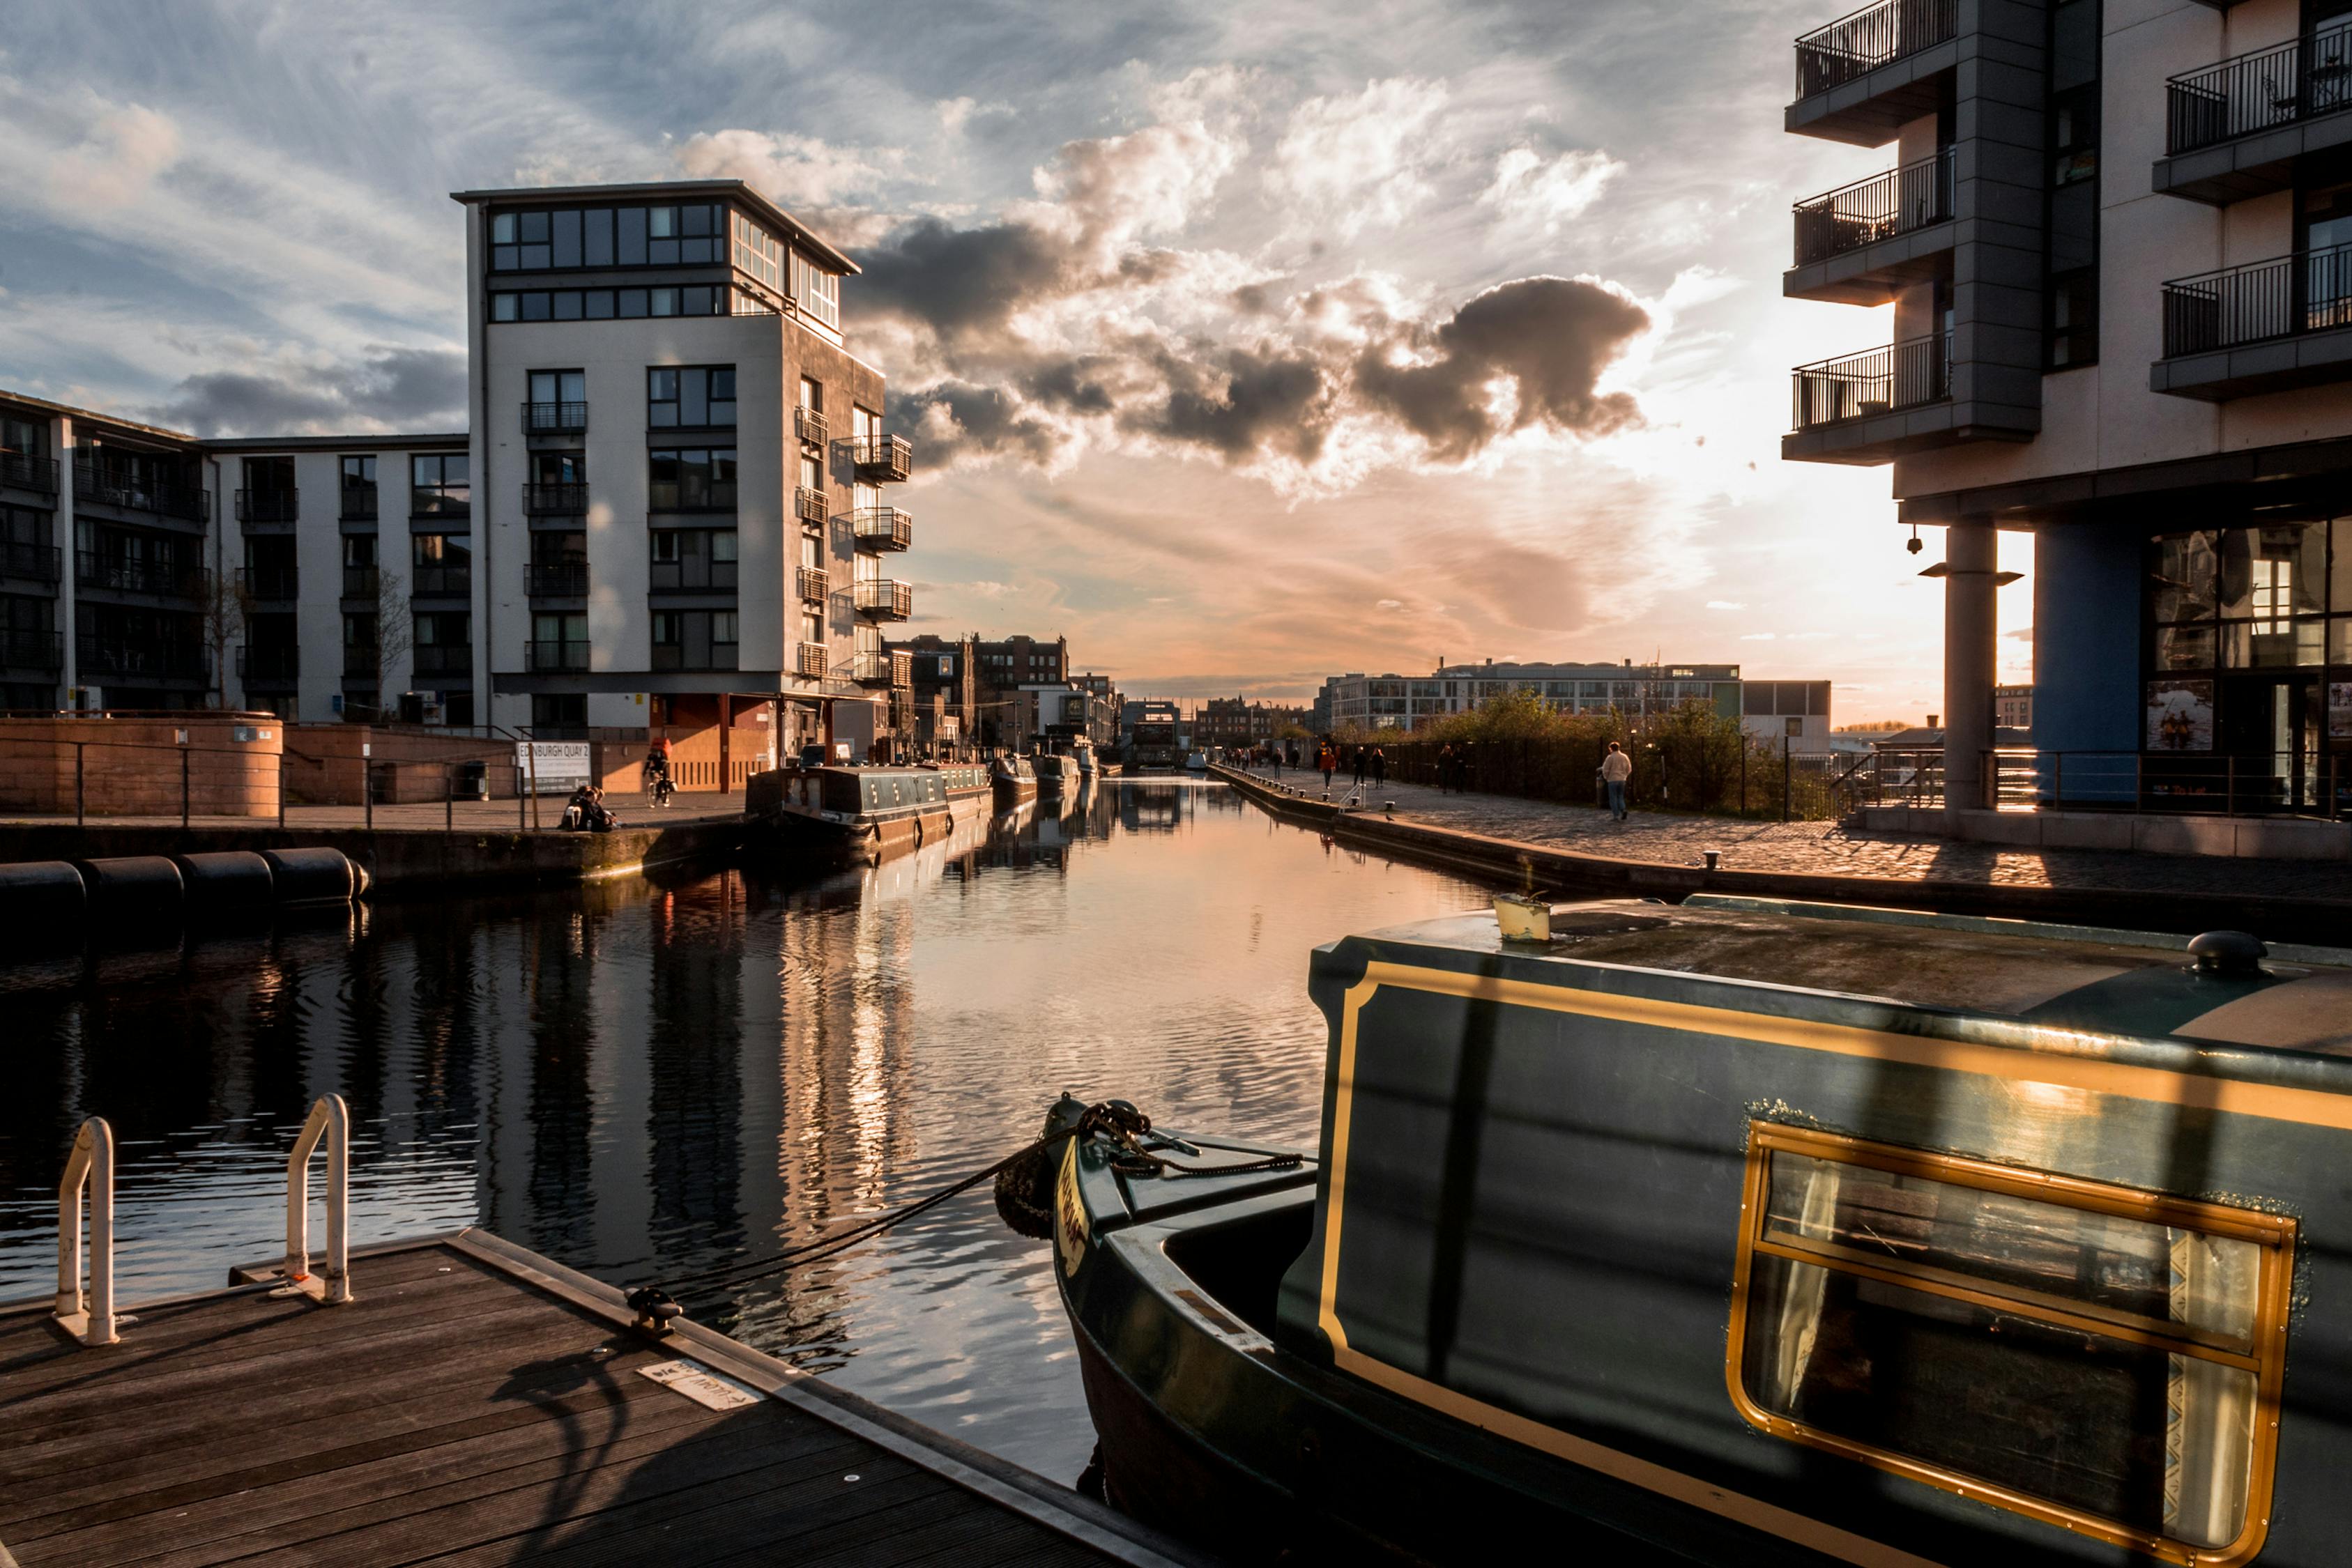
column 1970, row 561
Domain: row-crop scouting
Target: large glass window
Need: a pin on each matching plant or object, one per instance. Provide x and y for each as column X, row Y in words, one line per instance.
column 690, row 479
column 2078, row 1353
column 691, row 395
column 620, row 304
column 439, row 486
column 686, row 234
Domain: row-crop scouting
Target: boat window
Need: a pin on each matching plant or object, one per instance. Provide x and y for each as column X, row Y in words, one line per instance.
column 2090, row 1355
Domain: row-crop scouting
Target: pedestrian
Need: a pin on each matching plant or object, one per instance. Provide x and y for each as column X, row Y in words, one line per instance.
column 1293, row 756
column 1616, row 768
column 1380, row 768
column 1328, row 761
column 1360, row 761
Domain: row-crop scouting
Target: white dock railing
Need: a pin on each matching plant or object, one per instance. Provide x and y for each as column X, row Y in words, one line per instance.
column 92, row 1164
column 331, row 1121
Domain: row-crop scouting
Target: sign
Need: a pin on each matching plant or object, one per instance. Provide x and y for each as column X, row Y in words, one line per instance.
column 552, row 766
column 700, row 1385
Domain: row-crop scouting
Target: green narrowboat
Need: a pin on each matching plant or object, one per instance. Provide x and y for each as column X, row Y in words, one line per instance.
column 1752, row 1232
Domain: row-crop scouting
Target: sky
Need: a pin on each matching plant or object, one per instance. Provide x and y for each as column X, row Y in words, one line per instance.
column 1241, row 342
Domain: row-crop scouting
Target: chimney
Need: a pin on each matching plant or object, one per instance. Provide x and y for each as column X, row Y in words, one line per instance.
column 1931, row 721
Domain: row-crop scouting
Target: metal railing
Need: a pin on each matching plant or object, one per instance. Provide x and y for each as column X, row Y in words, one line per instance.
column 1879, row 381
column 140, row 656
column 89, row 1318
column 884, row 457
column 442, row 659
column 808, row 504
column 362, row 582
column 690, row 496
column 885, row 527
column 2285, row 296
column 269, row 506
column 2299, row 79
column 1873, row 36
column 120, row 574
column 116, row 488
column 359, row 504
column 691, row 574
column 441, row 582
column 26, row 472
column 815, row 584
column 716, row 656
column 38, row 562
column 554, row 418
column 556, row 579
column 808, row 659
column 266, row 664
column 550, row 658
column 362, row 663
column 269, row 581
column 330, row 1121
column 441, row 501
column 811, row 426
column 1881, row 207
column 885, row 599
column 2309, row 783
column 30, row 648
column 545, row 499
column 883, row 669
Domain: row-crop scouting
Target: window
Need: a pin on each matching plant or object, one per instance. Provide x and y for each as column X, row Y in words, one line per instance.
column 555, row 712
column 1967, row 1324
column 690, row 479
column 624, row 304
column 552, row 390
column 759, row 254
column 559, row 628
column 441, row 563
column 692, row 395
column 438, row 485
column 26, row 437
column 682, row 235
column 811, row 395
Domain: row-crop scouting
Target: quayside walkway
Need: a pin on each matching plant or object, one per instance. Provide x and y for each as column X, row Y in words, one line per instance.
column 477, row 1403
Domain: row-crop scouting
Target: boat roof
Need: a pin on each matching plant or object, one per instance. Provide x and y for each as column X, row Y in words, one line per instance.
column 2086, row 977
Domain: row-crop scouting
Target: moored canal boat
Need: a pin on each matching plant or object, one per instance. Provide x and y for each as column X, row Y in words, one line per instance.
column 1014, row 779
column 852, row 811
column 1057, row 777
column 1752, row 1233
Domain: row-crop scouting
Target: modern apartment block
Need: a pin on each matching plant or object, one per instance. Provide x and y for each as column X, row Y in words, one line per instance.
column 2117, row 239
column 1768, row 710
column 669, row 510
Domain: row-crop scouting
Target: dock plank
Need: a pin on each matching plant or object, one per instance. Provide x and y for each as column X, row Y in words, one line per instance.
column 474, row 1405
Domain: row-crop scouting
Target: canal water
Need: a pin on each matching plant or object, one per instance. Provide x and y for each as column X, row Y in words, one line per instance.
column 653, row 1081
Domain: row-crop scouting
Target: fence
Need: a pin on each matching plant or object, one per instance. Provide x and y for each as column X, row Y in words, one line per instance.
column 1704, row 773
column 2259, row 784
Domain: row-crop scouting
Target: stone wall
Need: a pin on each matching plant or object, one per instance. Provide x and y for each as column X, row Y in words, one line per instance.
column 141, row 764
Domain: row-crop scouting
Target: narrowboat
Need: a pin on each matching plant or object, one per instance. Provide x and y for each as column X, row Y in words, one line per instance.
column 1057, row 777
column 1750, row 1232
column 851, row 811
column 1083, row 750
column 1014, row 779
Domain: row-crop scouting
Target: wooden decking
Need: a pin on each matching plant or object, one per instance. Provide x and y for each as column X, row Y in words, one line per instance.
column 479, row 1404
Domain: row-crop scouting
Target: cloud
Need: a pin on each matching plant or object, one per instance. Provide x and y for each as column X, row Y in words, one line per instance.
column 126, row 148
column 813, row 179
column 394, row 389
column 1351, row 162
column 1725, row 605
column 1527, row 189
column 1758, row 637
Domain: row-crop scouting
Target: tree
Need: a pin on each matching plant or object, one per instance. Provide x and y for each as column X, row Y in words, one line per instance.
column 226, row 605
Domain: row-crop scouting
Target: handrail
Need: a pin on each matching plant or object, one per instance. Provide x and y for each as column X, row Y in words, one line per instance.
column 329, row 1120
column 90, row 1164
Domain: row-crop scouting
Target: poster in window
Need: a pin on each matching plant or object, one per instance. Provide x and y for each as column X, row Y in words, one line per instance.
column 2340, row 710
column 2180, row 715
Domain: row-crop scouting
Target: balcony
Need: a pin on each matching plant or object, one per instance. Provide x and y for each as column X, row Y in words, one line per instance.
column 1860, row 244
column 141, row 658
column 545, row 500
column 885, row 459
column 883, row 599
column 22, row 648
column 362, row 582
column 156, row 578
column 889, row 670
column 691, row 574
column 1859, row 78
column 1859, row 408
column 20, row 472
column 447, row 502
column 29, row 563
column 811, row 426
column 556, row 579
column 442, row 583
column 883, row 527
column 711, row 656
column 134, row 492
column 554, row 418
column 359, row 504
column 269, row 506
column 809, row 506
column 554, row 658
column 690, row 496
column 815, row 584
column 2236, row 129
column 442, row 659
column 2268, row 325
column 808, row 660
column 268, row 582
column 264, row 667
column 360, row 664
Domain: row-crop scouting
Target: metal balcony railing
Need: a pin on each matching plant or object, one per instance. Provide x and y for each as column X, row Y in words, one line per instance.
column 362, row 582
column 713, row 656
column 35, row 563
column 359, row 504
column 269, row 581
column 1880, row 380
column 873, row 669
column 2285, row 296
column 809, row 506
column 28, row 472
column 442, row 583
column 164, row 579
column 113, row 487
column 815, row 584
column 691, row 575
column 362, row 663
column 1871, row 38
column 448, row 501
column 1881, row 207
column 885, row 527
column 268, row 663
column 141, row 656
column 554, row 418
column 811, row 426
column 442, row 658
column 884, row 599
column 556, row 579
column 27, row 648
column 690, row 496
column 269, row 506
column 2300, row 80
column 885, row 457
column 541, row 499
column 554, row 658
column 808, row 659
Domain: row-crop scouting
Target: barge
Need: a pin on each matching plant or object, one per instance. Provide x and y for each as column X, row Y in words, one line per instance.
column 1014, row 779
column 864, row 810
column 1750, row 1232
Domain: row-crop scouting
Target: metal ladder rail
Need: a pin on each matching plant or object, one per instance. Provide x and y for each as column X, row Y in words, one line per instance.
column 329, row 1120
column 90, row 1165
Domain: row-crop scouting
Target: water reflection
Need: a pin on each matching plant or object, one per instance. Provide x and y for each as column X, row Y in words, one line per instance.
column 656, row 1080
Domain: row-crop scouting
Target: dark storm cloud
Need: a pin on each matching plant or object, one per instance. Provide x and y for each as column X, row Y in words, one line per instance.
column 1069, row 385
column 985, row 421
column 402, row 389
column 1245, row 402
column 1552, row 337
column 960, row 281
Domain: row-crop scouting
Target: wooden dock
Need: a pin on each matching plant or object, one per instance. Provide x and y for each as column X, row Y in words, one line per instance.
column 479, row 1403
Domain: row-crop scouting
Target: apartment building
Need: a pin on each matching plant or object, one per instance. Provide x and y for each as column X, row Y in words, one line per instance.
column 975, row 681
column 2118, row 241
column 1235, row 722
column 1768, row 710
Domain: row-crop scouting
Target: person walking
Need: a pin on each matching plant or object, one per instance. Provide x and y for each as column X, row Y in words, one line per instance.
column 1445, row 767
column 1361, row 759
column 1380, row 768
column 1616, row 768
column 1328, row 761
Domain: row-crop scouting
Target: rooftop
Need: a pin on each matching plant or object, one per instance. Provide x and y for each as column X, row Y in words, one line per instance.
column 729, row 190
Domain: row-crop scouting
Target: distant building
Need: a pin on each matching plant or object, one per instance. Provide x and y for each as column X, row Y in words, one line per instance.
column 2012, row 707
column 975, row 679
column 1767, row 709
column 1062, row 712
column 1234, row 722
